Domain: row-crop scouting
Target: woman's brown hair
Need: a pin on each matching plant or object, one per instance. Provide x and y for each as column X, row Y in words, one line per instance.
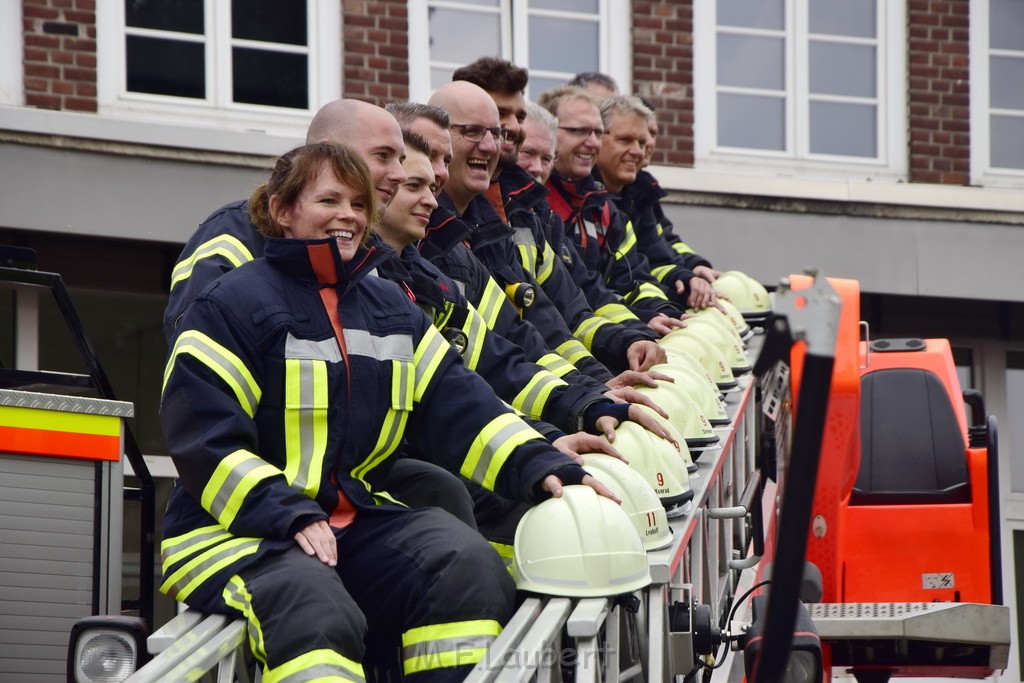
column 299, row 167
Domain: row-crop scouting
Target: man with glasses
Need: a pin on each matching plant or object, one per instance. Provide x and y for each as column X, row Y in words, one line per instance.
column 601, row 233
column 476, row 139
column 614, row 335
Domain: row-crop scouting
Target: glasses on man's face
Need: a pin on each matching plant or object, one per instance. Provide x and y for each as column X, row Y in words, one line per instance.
column 474, row 133
column 583, row 132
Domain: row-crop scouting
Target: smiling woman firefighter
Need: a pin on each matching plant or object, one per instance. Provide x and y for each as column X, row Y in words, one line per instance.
column 287, row 394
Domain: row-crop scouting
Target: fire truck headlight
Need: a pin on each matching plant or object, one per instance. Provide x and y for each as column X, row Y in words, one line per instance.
column 106, row 649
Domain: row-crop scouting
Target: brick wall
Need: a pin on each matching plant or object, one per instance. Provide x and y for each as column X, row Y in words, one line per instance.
column 663, row 73
column 60, row 54
column 375, row 49
column 939, row 90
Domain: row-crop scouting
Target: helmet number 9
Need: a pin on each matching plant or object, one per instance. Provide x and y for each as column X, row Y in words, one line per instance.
column 661, row 479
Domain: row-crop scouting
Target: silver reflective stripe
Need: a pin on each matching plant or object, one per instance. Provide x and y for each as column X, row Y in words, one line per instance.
column 322, row 672
column 523, row 236
column 391, row 347
column 303, row 417
column 192, row 543
column 434, row 647
column 242, row 381
column 493, row 444
column 531, row 404
column 235, row 477
column 305, row 349
column 590, row 228
column 461, row 287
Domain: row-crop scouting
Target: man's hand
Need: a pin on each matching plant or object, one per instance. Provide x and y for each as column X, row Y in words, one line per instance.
column 651, row 424
column 643, row 354
column 318, row 540
column 702, row 294
column 631, row 395
column 581, row 442
column 707, row 272
column 553, row 485
column 663, row 324
column 631, row 378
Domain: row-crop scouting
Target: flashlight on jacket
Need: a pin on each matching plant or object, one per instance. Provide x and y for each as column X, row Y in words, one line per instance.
column 522, row 294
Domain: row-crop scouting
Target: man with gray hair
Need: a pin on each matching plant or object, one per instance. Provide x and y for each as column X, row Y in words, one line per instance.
column 537, row 153
column 620, row 159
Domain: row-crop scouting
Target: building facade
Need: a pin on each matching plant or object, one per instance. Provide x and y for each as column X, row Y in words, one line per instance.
column 880, row 140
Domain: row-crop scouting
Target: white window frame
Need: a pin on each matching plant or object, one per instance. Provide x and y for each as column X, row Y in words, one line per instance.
column 982, row 172
column 614, row 48
column 217, row 109
column 891, row 164
column 12, row 67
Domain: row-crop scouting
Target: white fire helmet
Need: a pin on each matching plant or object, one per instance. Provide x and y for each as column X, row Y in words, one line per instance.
column 704, row 351
column 659, row 463
column 706, row 396
column 638, row 498
column 580, row 545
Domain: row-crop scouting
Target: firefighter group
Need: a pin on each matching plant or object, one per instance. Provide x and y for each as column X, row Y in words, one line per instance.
column 399, row 344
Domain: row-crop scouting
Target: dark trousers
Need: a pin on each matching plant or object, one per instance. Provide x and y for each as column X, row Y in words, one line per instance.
column 417, row 578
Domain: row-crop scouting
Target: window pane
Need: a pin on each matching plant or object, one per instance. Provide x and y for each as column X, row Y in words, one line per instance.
column 751, row 121
column 277, row 79
column 184, row 16
column 751, row 62
column 840, row 128
column 768, row 14
column 7, row 328
column 1006, row 24
column 439, row 76
column 589, row 6
column 166, row 67
column 1006, row 82
column 563, row 44
column 273, row 21
column 1007, row 141
column 843, row 18
column 539, row 84
column 460, row 37
column 838, row 69
column 1015, row 416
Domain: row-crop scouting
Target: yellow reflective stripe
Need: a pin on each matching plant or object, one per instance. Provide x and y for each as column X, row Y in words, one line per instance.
column 427, row 358
column 616, row 312
column 546, row 263
column 628, row 242
column 572, row 351
column 535, row 394
column 490, row 302
column 507, row 553
column 447, row 645
column 316, row 665
column 226, row 364
column 181, row 583
column 223, row 245
column 235, row 594
column 649, row 290
column 492, row 446
column 305, row 423
column 236, row 475
column 390, row 437
column 403, row 376
column 683, row 248
column 661, row 272
column 175, row 549
column 555, row 364
column 528, row 258
column 660, row 230
column 588, row 328
column 476, row 333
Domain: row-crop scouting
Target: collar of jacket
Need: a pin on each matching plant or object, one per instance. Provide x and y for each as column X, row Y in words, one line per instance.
column 575, row 191
column 488, row 227
column 318, row 262
column 519, row 187
column 444, row 230
column 641, row 194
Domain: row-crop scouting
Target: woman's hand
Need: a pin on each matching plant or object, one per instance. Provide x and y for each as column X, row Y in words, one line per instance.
column 318, row 540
